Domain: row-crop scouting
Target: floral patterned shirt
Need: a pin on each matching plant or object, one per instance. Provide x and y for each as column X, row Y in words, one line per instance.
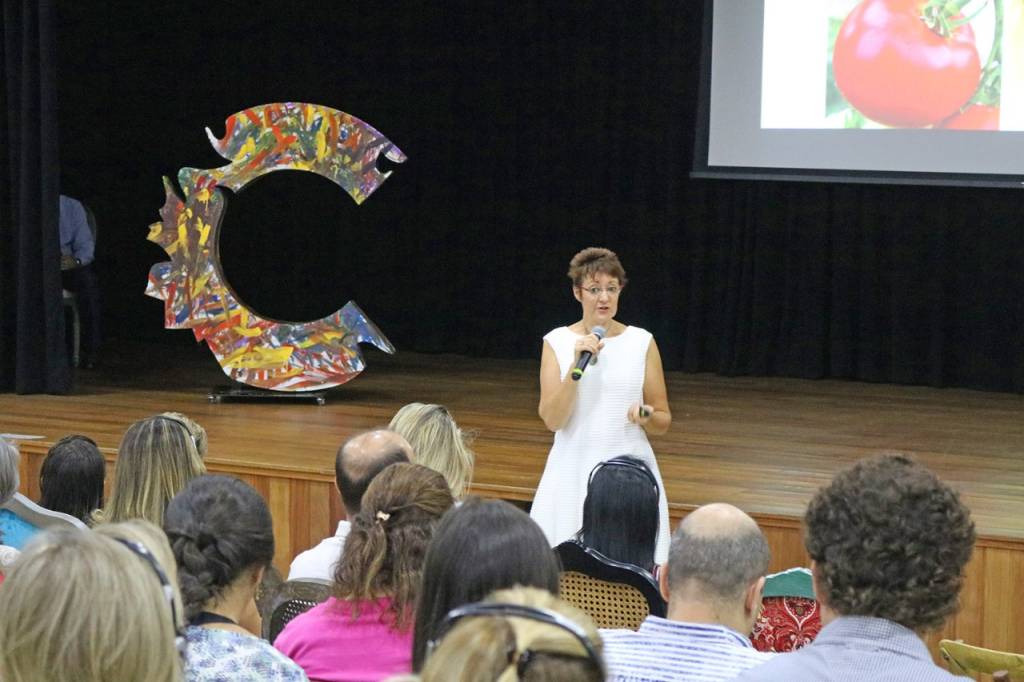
column 216, row 655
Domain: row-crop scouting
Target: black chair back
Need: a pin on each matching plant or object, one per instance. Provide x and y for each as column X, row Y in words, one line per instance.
column 613, row 593
column 293, row 598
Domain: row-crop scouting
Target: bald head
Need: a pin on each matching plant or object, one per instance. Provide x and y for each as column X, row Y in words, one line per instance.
column 361, row 458
column 718, row 520
column 718, row 549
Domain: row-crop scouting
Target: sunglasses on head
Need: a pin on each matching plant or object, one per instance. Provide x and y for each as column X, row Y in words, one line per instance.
column 526, row 656
column 635, row 466
column 188, row 432
column 180, row 644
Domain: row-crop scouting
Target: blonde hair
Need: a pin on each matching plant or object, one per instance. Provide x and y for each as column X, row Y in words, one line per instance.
column 156, row 459
column 78, row 605
column 199, row 436
column 437, row 443
column 477, row 648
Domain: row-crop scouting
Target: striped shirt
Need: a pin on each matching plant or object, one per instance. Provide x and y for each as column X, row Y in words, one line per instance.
column 856, row 649
column 672, row 651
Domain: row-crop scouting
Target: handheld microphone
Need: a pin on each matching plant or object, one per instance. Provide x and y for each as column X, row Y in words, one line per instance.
column 585, row 356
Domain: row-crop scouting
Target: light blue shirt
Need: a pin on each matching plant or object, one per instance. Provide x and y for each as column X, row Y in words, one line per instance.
column 15, row 531
column 672, row 651
column 856, row 649
column 75, row 236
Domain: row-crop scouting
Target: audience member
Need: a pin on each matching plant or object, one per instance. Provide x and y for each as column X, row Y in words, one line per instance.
column 358, row 461
column 157, row 457
column 364, row 630
column 77, row 249
column 620, row 512
column 9, row 481
column 713, row 582
column 222, row 538
column 522, row 633
column 92, row 607
column 888, row 542
column 480, row 547
column 438, row 442
column 72, row 476
column 199, row 436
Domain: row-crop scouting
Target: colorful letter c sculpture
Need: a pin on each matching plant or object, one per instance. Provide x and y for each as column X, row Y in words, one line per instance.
column 282, row 356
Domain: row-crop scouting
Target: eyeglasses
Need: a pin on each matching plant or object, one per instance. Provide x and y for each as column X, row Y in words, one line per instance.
column 180, row 643
column 517, row 611
column 596, row 291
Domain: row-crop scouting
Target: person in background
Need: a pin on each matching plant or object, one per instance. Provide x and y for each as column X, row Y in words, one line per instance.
column 523, row 633
column 713, row 584
column 9, row 481
column 77, row 251
column 364, row 630
column 156, row 459
column 71, row 478
column 438, row 442
column 888, row 543
column 480, row 547
column 358, row 461
column 91, row 606
column 620, row 512
column 222, row 537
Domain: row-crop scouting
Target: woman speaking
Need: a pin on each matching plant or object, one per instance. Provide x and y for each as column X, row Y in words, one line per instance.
column 606, row 412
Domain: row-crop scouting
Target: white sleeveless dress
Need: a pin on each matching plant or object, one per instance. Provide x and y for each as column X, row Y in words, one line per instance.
column 598, row 430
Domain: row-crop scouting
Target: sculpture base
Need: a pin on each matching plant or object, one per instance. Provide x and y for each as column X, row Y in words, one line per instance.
column 219, row 394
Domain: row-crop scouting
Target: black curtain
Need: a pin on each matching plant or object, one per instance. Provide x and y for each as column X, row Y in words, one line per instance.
column 533, row 129
column 32, row 343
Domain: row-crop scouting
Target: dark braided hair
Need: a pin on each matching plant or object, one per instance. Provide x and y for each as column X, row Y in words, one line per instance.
column 218, row 527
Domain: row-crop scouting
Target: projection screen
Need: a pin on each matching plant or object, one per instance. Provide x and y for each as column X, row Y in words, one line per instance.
column 863, row 90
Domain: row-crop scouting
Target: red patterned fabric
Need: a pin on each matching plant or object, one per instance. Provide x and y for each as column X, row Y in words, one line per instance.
column 786, row 624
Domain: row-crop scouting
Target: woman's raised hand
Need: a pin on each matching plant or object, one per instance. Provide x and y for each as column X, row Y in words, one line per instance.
column 590, row 343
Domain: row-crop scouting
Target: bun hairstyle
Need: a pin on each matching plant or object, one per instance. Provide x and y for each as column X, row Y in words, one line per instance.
column 593, row 260
column 218, row 527
column 387, row 545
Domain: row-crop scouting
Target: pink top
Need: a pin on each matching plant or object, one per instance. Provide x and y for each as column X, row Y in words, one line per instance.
column 332, row 647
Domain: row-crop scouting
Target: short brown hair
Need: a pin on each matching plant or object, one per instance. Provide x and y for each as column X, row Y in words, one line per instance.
column 593, row 260
column 385, row 549
column 890, row 540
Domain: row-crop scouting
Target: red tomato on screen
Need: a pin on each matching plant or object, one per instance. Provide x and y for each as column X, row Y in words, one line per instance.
column 895, row 70
column 976, row 117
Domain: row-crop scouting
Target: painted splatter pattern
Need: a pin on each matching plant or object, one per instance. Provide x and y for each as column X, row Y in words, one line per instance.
column 283, row 356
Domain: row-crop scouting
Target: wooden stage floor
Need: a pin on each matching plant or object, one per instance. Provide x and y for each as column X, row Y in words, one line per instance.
column 763, row 444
